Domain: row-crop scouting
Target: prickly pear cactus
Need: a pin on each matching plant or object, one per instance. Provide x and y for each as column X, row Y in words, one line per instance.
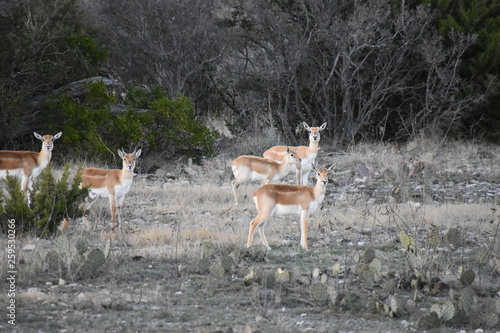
column 37, row 262
column 94, row 260
column 62, row 244
column 54, row 262
column 395, row 306
column 369, row 256
column 376, row 266
column 467, row 277
column 216, row 269
column 228, row 263
column 81, row 245
column 107, row 248
column 490, row 320
column 407, row 242
column 336, row 270
column 433, row 240
column 467, row 301
column 448, row 311
column 207, row 250
column 454, row 238
column 250, row 277
column 282, row 275
column 319, row 292
column 429, row 321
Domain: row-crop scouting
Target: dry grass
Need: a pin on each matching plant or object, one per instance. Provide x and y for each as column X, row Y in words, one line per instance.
column 175, row 212
column 190, row 205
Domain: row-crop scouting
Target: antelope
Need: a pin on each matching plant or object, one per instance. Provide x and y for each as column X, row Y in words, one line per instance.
column 307, row 154
column 28, row 164
column 255, row 168
column 283, row 199
column 113, row 183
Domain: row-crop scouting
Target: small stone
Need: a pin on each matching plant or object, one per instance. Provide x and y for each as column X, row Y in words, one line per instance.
column 29, row 247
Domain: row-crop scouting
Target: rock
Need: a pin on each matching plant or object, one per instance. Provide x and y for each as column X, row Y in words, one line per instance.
column 29, row 247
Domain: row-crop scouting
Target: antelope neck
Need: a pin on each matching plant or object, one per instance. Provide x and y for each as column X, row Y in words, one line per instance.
column 313, row 147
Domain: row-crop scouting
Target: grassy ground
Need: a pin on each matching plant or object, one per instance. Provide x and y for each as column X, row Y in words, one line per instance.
column 388, row 252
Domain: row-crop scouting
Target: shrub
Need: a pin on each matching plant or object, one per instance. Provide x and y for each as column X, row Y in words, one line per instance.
column 14, row 205
column 51, row 201
column 153, row 121
column 83, row 124
column 175, row 122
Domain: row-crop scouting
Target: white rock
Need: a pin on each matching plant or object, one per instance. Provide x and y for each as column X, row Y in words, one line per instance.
column 29, row 247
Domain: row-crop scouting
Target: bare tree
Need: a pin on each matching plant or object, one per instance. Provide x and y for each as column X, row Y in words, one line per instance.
column 370, row 71
column 172, row 44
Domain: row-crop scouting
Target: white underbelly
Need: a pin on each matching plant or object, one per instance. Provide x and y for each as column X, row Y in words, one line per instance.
column 99, row 193
column 120, row 190
column 287, row 209
column 257, row 177
column 295, row 209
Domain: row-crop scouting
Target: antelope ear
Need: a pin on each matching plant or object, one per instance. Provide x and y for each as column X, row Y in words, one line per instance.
column 121, row 153
column 314, row 168
column 38, row 136
column 57, row 136
column 332, row 166
column 306, row 126
column 322, row 127
column 138, row 153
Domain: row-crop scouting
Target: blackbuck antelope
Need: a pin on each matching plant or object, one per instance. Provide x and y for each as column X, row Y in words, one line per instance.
column 282, row 199
column 114, row 183
column 28, row 164
column 307, row 154
column 254, row 168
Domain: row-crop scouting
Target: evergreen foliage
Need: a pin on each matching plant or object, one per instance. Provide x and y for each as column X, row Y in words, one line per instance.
column 481, row 65
column 164, row 125
column 51, row 201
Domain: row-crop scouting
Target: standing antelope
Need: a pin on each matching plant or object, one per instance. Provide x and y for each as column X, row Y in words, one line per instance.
column 307, row 154
column 114, row 183
column 28, row 164
column 282, row 199
column 256, row 168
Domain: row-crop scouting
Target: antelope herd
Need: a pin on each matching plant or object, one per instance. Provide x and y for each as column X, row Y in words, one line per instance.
column 270, row 199
column 283, row 199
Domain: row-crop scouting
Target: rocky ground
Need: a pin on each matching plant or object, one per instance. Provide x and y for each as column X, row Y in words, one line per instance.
column 388, row 253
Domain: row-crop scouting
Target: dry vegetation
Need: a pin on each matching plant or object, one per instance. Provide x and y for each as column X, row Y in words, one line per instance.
column 387, row 252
